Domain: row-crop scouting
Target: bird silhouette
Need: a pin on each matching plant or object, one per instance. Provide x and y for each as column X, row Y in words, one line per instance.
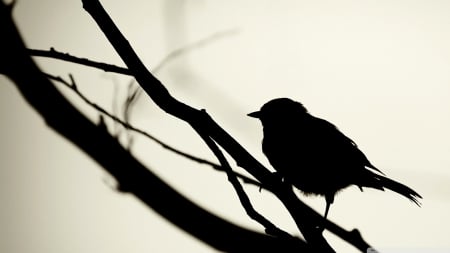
column 314, row 156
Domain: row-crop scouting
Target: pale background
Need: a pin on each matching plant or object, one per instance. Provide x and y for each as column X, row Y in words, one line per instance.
column 379, row 70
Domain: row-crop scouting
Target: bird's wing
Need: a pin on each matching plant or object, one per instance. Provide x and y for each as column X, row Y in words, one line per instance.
column 338, row 141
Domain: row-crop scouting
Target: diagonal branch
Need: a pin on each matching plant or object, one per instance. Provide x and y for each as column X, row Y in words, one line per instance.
column 244, row 199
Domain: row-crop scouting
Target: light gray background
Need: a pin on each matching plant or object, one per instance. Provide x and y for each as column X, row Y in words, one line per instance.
column 379, row 70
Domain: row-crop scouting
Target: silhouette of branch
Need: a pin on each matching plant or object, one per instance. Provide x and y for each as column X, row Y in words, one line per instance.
column 244, row 199
column 133, row 177
column 161, row 96
column 52, row 53
column 305, row 218
column 72, row 85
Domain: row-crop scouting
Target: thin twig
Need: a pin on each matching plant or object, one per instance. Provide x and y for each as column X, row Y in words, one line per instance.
column 243, row 197
column 52, row 53
column 72, row 85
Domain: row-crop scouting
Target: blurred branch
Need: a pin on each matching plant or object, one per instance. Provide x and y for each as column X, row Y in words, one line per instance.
column 188, row 48
column 135, row 94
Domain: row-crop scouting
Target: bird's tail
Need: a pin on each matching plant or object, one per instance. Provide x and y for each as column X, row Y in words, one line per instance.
column 399, row 188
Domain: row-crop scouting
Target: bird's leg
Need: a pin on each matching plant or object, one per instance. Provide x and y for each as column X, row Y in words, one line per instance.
column 329, row 199
column 327, row 208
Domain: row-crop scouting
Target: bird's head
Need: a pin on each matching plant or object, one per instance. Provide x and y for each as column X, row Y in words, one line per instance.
column 279, row 110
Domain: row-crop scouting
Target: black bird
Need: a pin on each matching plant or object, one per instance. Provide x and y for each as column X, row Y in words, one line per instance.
column 314, row 156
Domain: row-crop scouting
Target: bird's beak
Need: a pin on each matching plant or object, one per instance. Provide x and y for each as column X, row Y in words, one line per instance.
column 256, row 114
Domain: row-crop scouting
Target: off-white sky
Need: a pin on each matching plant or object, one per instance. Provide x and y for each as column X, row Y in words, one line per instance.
column 379, row 70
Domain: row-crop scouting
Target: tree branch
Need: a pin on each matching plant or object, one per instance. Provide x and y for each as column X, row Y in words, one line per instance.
column 243, row 198
column 72, row 85
column 52, row 53
column 304, row 217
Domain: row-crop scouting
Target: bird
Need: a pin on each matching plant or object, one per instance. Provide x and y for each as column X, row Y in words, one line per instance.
column 315, row 157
